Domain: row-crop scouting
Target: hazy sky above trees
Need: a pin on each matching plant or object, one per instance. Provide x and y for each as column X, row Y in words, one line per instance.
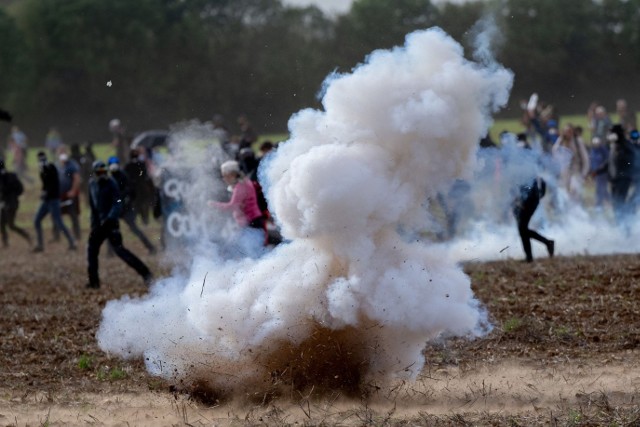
column 341, row 6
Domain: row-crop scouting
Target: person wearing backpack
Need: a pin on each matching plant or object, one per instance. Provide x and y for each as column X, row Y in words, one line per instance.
column 10, row 190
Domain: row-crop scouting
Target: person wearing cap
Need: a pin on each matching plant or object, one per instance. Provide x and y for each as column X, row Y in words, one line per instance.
column 49, row 202
column 10, row 190
column 128, row 212
column 244, row 202
column 106, row 208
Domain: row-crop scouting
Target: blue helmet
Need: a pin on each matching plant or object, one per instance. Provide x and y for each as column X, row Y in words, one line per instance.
column 113, row 160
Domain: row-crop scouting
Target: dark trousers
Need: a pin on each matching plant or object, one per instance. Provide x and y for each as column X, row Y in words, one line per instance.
column 129, row 218
column 109, row 230
column 8, row 219
column 260, row 224
column 523, row 216
column 619, row 193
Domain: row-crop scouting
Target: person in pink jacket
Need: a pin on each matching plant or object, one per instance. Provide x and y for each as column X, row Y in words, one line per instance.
column 244, row 202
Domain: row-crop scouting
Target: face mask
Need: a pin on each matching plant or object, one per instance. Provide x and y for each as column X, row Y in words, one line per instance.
column 612, row 137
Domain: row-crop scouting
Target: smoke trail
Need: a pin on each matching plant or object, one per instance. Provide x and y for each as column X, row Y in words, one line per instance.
column 354, row 295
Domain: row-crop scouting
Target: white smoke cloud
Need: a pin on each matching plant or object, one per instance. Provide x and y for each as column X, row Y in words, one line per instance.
column 350, row 190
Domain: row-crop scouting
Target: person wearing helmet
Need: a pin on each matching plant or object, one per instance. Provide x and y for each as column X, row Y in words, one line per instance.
column 128, row 211
column 50, row 202
column 106, row 208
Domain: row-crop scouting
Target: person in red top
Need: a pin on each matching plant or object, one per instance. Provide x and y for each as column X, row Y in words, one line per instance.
column 244, row 201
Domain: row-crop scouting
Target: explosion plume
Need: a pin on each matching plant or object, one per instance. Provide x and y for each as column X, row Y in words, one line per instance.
column 353, row 295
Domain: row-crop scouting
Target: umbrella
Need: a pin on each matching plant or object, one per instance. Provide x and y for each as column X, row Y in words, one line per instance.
column 150, row 139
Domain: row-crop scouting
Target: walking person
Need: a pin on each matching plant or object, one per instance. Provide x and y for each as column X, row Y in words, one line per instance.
column 106, row 209
column 529, row 191
column 70, row 179
column 10, row 190
column 128, row 213
column 50, row 202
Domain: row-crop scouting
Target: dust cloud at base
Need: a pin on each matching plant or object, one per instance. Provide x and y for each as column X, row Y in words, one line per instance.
column 354, row 293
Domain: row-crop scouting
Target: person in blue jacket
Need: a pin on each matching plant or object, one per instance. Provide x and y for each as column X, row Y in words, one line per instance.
column 106, row 209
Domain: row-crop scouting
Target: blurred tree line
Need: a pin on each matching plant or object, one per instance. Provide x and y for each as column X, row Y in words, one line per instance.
column 174, row 60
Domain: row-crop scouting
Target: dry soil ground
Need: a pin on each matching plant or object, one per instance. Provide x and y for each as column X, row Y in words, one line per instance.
column 563, row 351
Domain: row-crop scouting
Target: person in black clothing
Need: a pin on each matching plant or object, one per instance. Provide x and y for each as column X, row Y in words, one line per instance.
column 530, row 190
column 50, row 202
column 620, row 168
column 106, row 209
column 142, row 190
column 10, row 190
column 525, row 204
column 128, row 213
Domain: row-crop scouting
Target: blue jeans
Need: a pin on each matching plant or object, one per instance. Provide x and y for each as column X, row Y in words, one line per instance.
column 53, row 207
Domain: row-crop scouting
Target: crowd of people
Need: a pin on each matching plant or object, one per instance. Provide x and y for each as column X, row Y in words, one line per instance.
column 126, row 186
column 610, row 158
column 595, row 169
